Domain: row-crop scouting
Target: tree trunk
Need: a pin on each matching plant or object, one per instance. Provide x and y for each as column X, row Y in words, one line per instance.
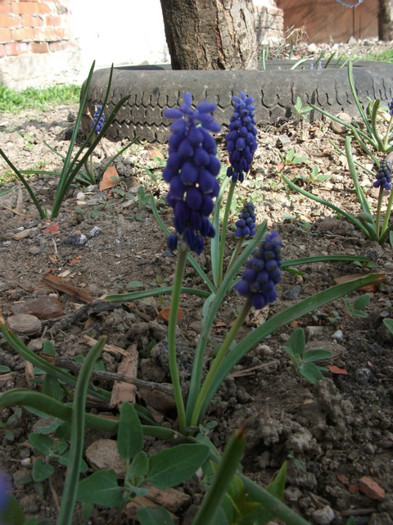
column 385, row 20
column 211, row 34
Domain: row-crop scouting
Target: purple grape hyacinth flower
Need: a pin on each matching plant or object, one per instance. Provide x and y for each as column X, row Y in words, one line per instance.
column 384, row 176
column 5, row 491
column 191, row 172
column 101, row 120
column 241, row 139
column 246, row 223
column 262, row 273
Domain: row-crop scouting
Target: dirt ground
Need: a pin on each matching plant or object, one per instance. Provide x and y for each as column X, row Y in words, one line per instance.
column 337, row 435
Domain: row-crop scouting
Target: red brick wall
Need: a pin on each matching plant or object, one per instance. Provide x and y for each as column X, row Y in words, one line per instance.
column 33, row 26
column 326, row 19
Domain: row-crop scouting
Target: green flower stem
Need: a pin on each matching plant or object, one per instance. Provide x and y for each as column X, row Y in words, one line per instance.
column 387, row 214
column 91, row 170
column 385, row 142
column 378, row 219
column 176, row 292
column 224, row 232
column 236, row 253
column 196, row 415
column 77, row 435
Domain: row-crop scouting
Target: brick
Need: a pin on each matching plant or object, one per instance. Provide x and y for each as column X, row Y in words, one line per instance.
column 24, row 8
column 39, row 35
column 15, row 48
column 58, row 46
column 22, row 35
column 43, row 8
column 371, row 488
column 5, row 7
column 9, row 21
column 55, row 34
column 2, row 51
column 5, row 35
column 39, row 47
column 32, row 21
column 52, row 21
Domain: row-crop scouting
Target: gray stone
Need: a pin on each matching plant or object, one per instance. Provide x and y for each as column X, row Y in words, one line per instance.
column 323, row 516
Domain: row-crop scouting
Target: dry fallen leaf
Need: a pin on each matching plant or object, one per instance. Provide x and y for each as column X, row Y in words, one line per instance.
column 109, row 179
column 336, row 370
column 164, row 314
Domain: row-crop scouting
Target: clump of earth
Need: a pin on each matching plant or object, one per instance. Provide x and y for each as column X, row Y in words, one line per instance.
column 336, row 436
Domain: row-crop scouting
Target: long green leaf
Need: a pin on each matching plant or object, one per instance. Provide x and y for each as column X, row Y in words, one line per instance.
column 348, row 216
column 282, row 319
column 359, row 191
column 356, row 99
column 132, row 296
column 44, row 365
column 36, row 401
column 77, row 435
column 40, row 210
column 226, row 285
column 324, row 258
column 227, row 467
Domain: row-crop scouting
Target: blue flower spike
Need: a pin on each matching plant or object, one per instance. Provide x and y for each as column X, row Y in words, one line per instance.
column 246, row 223
column 262, row 272
column 5, row 491
column 384, row 176
column 191, row 172
column 241, row 138
column 101, row 120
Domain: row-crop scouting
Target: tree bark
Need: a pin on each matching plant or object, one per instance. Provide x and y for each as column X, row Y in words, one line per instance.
column 211, row 34
column 385, row 20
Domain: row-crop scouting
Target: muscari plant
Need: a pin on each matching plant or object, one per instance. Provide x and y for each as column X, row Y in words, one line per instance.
column 192, row 174
column 373, row 138
column 72, row 164
column 374, row 224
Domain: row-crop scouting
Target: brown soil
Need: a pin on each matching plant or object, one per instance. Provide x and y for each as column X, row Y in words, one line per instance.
column 332, row 434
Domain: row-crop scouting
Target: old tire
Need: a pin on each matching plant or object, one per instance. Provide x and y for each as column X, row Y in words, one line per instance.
column 275, row 91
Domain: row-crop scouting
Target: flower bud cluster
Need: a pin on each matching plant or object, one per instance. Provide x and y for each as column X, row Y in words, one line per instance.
column 241, row 139
column 262, row 273
column 390, row 106
column 384, row 176
column 246, row 223
column 101, row 120
column 191, row 172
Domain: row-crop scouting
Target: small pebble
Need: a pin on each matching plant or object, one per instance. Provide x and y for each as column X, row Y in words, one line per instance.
column 94, row 231
column 363, row 375
column 314, row 331
column 80, row 196
column 34, row 250
column 323, row 516
column 293, row 292
column 338, row 335
column 76, row 239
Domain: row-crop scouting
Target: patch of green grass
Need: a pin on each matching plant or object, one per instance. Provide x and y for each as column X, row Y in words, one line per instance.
column 42, row 99
column 384, row 56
